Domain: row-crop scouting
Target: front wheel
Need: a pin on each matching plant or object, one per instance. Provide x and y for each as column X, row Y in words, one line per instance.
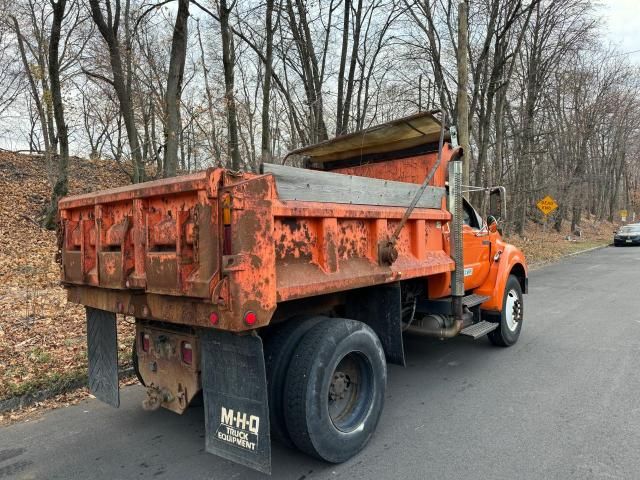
column 511, row 317
column 334, row 390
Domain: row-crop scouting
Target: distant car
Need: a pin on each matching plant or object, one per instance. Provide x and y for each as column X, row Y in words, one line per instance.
column 627, row 235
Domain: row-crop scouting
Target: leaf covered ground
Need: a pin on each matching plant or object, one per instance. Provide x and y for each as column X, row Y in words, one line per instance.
column 42, row 337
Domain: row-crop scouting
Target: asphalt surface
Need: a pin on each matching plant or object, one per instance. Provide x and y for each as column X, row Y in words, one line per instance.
column 563, row 403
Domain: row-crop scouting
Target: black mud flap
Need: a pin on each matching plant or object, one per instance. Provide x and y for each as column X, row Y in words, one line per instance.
column 102, row 346
column 235, row 398
column 380, row 307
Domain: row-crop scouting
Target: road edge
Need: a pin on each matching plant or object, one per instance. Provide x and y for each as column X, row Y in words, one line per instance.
column 28, row 399
column 538, row 266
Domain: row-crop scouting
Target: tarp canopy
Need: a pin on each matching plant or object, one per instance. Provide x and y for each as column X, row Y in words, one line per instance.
column 408, row 132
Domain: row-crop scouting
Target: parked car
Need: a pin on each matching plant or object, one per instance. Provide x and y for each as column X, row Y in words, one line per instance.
column 627, row 235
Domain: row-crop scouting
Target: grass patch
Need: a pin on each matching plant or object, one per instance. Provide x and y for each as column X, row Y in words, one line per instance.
column 53, row 382
column 580, row 246
column 38, row 355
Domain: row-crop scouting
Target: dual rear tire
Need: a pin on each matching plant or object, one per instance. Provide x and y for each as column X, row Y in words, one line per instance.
column 326, row 392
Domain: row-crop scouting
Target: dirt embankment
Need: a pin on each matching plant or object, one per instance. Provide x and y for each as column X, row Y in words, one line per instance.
column 42, row 338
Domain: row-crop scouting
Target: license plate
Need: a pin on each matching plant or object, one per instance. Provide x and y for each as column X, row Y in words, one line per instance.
column 629, row 240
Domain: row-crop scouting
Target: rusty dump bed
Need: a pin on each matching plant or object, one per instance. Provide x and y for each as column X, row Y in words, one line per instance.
column 210, row 247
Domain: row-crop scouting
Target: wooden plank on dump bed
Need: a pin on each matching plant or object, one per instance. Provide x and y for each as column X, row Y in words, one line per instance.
column 315, row 186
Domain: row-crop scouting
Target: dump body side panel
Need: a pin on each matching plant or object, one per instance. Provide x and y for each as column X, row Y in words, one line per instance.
column 160, row 237
column 323, row 248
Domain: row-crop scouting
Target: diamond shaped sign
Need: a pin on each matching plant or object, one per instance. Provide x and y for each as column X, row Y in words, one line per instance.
column 547, row 205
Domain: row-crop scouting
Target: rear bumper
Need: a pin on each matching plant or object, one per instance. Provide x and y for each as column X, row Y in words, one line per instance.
column 179, row 310
column 621, row 242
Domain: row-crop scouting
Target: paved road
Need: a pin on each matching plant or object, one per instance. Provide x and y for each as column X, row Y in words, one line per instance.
column 563, row 403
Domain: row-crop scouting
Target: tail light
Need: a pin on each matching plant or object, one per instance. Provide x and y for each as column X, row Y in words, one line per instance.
column 250, row 318
column 145, row 341
column 187, row 353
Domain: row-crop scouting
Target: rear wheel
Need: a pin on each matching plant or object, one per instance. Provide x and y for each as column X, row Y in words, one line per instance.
column 278, row 350
column 511, row 317
column 334, row 392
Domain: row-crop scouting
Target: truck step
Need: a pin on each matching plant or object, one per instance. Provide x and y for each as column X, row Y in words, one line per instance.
column 474, row 299
column 479, row 329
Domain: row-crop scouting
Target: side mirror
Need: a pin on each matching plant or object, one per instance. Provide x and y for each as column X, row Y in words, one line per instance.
column 497, row 204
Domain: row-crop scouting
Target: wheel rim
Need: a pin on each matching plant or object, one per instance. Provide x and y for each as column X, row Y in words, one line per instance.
column 350, row 392
column 513, row 310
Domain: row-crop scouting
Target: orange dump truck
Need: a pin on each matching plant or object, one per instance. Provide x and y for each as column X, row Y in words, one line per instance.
column 281, row 296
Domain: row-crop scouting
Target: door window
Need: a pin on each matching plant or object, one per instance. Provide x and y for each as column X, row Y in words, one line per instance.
column 469, row 216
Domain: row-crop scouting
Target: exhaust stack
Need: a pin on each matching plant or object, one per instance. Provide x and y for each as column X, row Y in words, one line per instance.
column 455, row 236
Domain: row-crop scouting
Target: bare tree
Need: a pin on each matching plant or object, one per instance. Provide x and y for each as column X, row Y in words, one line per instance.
column 121, row 78
column 462, row 101
column 61, row 185
column 265, row 143
column 228, row 60
column 174, row 88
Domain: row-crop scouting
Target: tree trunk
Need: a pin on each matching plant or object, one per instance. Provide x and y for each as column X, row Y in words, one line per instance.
column 463, row 81
column 34, row 88
column 61, row 185
column 343, row 63
column 357, row 27
column 228, row 61
column 121, row 82
column 265, row 145
column 174, row 88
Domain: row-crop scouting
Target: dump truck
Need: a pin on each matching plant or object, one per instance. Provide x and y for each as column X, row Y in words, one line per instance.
column 279, row 297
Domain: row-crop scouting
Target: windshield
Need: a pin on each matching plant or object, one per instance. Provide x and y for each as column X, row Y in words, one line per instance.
column 630, row 229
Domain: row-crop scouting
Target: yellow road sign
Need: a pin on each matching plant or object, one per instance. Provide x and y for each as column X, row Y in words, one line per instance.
column 547, row 205
column 623, row 215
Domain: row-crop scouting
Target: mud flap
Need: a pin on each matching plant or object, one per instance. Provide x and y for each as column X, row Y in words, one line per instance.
column 235, row 398
column 102, row 351
column 380, row 307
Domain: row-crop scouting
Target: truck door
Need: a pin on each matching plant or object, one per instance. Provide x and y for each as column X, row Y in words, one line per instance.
column 476, row 248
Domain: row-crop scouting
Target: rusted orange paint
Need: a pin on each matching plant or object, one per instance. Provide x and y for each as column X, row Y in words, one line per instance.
column 159, row 248
column 408, row 169
column 496, row 279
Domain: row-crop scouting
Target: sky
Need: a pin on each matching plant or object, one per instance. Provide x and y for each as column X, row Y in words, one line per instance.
column 620, row 26
column 623, row 25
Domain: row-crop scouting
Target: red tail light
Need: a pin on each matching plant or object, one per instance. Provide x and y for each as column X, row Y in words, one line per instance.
column 145, row 341
column 213, row 318
column 187, row 353
column 250, row 318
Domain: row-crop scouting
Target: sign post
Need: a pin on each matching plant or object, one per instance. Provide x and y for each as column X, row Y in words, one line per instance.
column 546, row 206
